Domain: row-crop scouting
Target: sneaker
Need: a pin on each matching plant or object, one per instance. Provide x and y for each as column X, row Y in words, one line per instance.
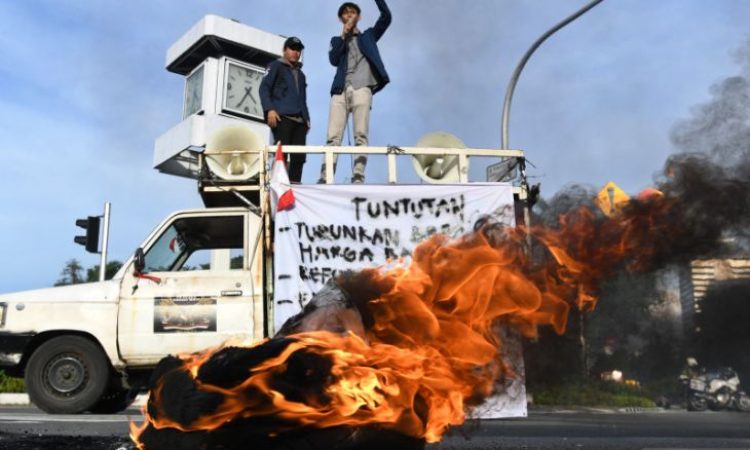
column 358, row 179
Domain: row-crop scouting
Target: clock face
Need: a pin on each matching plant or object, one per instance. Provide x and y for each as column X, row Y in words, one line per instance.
column 241, row 90
column 193, row 93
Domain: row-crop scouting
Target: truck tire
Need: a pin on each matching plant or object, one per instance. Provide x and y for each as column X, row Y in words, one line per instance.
column 67, row 375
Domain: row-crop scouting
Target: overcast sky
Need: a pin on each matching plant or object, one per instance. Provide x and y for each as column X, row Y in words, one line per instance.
column 84, row 94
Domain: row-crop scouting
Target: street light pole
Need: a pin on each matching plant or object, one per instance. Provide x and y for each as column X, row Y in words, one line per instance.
column 522, row 63
column 105, row 244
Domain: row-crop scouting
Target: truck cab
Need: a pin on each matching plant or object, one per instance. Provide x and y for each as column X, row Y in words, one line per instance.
column 194, row 283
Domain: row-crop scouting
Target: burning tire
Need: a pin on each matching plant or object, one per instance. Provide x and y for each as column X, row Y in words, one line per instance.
column 67, row 375
column 178, row 401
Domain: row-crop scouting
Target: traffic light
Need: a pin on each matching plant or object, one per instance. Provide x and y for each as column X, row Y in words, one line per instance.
column 91, row 240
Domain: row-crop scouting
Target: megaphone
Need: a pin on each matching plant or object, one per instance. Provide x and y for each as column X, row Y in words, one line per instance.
column 233, row 153
column 438, row 168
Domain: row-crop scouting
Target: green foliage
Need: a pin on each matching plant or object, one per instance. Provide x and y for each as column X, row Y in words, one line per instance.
column 591, row 394
column 625, row 332
column 668, row 387
column 612, row 336
column 552, row 358
column 11, row 384
column 72, row 273
column 92, row 273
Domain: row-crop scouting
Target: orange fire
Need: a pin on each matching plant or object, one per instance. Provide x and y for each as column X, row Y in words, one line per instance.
column 432, row 353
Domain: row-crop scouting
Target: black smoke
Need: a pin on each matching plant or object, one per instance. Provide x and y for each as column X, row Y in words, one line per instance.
column 707, row 180
column 712, row 169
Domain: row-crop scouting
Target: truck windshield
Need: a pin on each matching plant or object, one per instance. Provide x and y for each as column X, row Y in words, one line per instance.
column 191, row 239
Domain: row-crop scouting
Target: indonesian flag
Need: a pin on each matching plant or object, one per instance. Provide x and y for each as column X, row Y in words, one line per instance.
column 282, row 197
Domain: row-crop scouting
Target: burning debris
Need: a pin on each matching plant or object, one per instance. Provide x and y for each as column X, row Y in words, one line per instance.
column 404, row 353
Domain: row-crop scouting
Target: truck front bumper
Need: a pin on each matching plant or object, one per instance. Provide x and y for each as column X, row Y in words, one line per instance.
column 12, row 346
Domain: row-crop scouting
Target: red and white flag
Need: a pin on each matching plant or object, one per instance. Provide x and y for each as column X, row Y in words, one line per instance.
column 282, row 197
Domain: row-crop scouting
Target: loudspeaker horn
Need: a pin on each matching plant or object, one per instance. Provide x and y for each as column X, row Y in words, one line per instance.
column 438, row 168
column 233, row 153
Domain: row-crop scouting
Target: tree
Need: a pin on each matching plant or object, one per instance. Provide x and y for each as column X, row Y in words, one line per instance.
column 629, row 330
column 616, row 327
column 71, row 273
column 92, row 273
column 623, row 332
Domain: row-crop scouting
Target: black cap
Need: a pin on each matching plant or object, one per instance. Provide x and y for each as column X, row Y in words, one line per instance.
column 294, row 43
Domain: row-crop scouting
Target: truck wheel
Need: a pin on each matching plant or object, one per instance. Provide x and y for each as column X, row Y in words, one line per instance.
column 67, row 375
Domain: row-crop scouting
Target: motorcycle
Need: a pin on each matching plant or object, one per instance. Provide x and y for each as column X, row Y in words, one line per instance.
column 715, row 390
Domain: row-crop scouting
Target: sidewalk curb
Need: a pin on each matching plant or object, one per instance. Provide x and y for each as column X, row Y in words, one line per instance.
column 21, row 399
column 591, row 410
column 16, row 399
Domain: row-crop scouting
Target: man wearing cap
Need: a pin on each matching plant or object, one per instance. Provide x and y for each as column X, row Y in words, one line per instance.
column 284, row 99
column 360, row 73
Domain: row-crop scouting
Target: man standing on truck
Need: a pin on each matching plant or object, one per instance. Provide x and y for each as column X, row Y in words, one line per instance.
column 360, row 73
column 283, row 94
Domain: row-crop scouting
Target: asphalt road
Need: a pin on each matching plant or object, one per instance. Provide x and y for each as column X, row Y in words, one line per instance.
column 25, row 428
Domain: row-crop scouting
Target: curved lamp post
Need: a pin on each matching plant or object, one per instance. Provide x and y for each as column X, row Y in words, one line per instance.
column 522, row 63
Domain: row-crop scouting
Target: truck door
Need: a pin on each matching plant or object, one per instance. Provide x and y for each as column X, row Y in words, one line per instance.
column 196, row 290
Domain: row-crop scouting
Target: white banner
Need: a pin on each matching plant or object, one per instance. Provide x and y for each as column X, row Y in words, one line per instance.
column 333, row 228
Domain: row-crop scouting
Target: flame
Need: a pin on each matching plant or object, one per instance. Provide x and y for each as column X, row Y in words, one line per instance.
column 431, row 353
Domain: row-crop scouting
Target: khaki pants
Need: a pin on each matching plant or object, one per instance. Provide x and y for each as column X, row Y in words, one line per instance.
column 358, row 102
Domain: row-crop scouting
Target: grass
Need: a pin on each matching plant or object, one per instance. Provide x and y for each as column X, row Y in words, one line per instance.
column 10, row 384
column 592, row 394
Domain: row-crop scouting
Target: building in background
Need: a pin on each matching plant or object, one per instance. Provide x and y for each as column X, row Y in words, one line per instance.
column 698, row 276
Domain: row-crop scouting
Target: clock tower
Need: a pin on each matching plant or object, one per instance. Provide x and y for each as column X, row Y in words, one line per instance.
column 223, row 62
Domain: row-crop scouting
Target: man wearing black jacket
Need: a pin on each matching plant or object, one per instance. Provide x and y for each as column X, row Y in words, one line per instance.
column 283, row 94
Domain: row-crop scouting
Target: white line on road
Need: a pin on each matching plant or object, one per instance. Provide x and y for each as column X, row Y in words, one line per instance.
column 39, row 418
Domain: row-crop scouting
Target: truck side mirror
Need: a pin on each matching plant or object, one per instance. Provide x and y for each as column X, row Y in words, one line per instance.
column 139, row 260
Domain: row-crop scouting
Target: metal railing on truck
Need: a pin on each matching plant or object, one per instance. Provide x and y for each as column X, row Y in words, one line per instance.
column 212, row 188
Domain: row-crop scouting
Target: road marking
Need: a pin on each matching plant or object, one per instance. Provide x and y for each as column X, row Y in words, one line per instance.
column 20, row 399
column 39, row 418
